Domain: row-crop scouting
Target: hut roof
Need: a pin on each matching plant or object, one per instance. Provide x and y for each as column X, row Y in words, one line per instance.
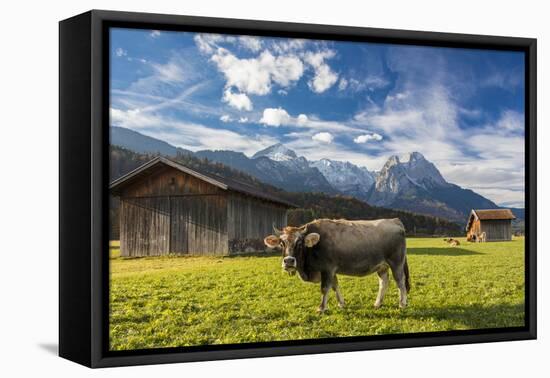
column 490, row 214
column 117, row 186
column 495, row 214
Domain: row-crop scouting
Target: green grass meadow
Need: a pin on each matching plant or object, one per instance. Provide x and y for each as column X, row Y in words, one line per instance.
column 181, row 301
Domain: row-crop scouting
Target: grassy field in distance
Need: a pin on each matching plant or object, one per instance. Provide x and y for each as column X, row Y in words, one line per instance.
column 180, row 301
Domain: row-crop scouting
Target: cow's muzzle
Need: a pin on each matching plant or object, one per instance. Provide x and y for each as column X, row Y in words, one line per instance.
column 289, row 264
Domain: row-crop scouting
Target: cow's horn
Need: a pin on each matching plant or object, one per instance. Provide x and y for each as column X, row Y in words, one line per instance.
column 303, row 228
column 276, row 230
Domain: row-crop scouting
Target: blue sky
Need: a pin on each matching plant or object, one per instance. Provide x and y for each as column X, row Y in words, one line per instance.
column 463, row 109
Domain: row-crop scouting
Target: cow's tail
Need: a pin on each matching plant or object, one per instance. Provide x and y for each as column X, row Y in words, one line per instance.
column 407, row 276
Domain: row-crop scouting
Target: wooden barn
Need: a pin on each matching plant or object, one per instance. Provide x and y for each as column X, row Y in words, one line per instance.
column 167, row 208
column 495, row 223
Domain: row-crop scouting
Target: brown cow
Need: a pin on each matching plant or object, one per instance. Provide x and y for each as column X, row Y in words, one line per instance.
column 321, row 249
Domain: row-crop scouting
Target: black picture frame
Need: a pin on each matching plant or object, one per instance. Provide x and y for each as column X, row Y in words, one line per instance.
column 83, row 180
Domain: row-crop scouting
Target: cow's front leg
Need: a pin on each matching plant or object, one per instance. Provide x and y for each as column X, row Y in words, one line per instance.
column 339, row 296
column 326, row 284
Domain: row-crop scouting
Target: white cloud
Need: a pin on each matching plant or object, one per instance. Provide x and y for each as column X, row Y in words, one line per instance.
column 280, row 117
column 132, row 118
column 367, row 137
column 394, row 120
column 284, row 45
column 120, row 52
column 471, row 113
column 324, row 77
column 370, row 83
column 275, row 117
column 302, row 120
column 398, row 96
column 253, row 44
column 225, row 118
column 192, row 136
column 155, row 34
column 343, row 84
column 282, row 92
column 511, row 121
column 256, row 75
column 323, row 137
column 207, row 43
column 504, row 80
column 169, row 72
column 238, row 101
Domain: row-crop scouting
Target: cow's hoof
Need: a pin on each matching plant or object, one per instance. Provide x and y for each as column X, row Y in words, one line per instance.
column 377, row 305
column 321, row 310
column 402, row 306
column 341, row 305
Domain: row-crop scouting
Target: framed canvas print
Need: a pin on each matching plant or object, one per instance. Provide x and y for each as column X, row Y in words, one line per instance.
column 234, row 188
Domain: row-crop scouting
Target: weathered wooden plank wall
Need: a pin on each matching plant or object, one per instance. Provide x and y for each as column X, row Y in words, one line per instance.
column 154, row 226
column 497, row 229
column 199, row 225
column 251, row 220
column 144, row 227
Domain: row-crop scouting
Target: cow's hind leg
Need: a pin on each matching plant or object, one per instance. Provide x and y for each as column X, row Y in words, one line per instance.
column 383, row 282
column 398, row 272
column 326, row 284
column 339, row 296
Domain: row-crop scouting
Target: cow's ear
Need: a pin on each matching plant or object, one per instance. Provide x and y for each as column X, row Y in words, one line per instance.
column 312, row 239
column 272, row 241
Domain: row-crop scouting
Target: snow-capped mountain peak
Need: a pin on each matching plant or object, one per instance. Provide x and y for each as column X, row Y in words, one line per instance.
column 277, row 152
column 392, row 161
column 423, row 172
column 413, row 169
column 345, row 176
column 416, row 156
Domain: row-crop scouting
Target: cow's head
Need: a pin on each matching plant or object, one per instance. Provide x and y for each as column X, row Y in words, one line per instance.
column 292, row 241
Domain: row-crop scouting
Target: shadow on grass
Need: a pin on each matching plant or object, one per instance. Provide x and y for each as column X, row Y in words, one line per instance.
column 474, row 315
column 443, row 251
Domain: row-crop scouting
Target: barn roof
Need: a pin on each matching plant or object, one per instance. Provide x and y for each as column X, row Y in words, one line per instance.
column 495, row 214
column 489, row 214
column 116, row 187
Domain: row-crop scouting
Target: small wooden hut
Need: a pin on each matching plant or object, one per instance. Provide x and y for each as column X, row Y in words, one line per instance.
column 167, row 208
column 495, row 223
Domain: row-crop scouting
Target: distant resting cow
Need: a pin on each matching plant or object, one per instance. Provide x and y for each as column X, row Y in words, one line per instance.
column 323, row 248
column 452, row 242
